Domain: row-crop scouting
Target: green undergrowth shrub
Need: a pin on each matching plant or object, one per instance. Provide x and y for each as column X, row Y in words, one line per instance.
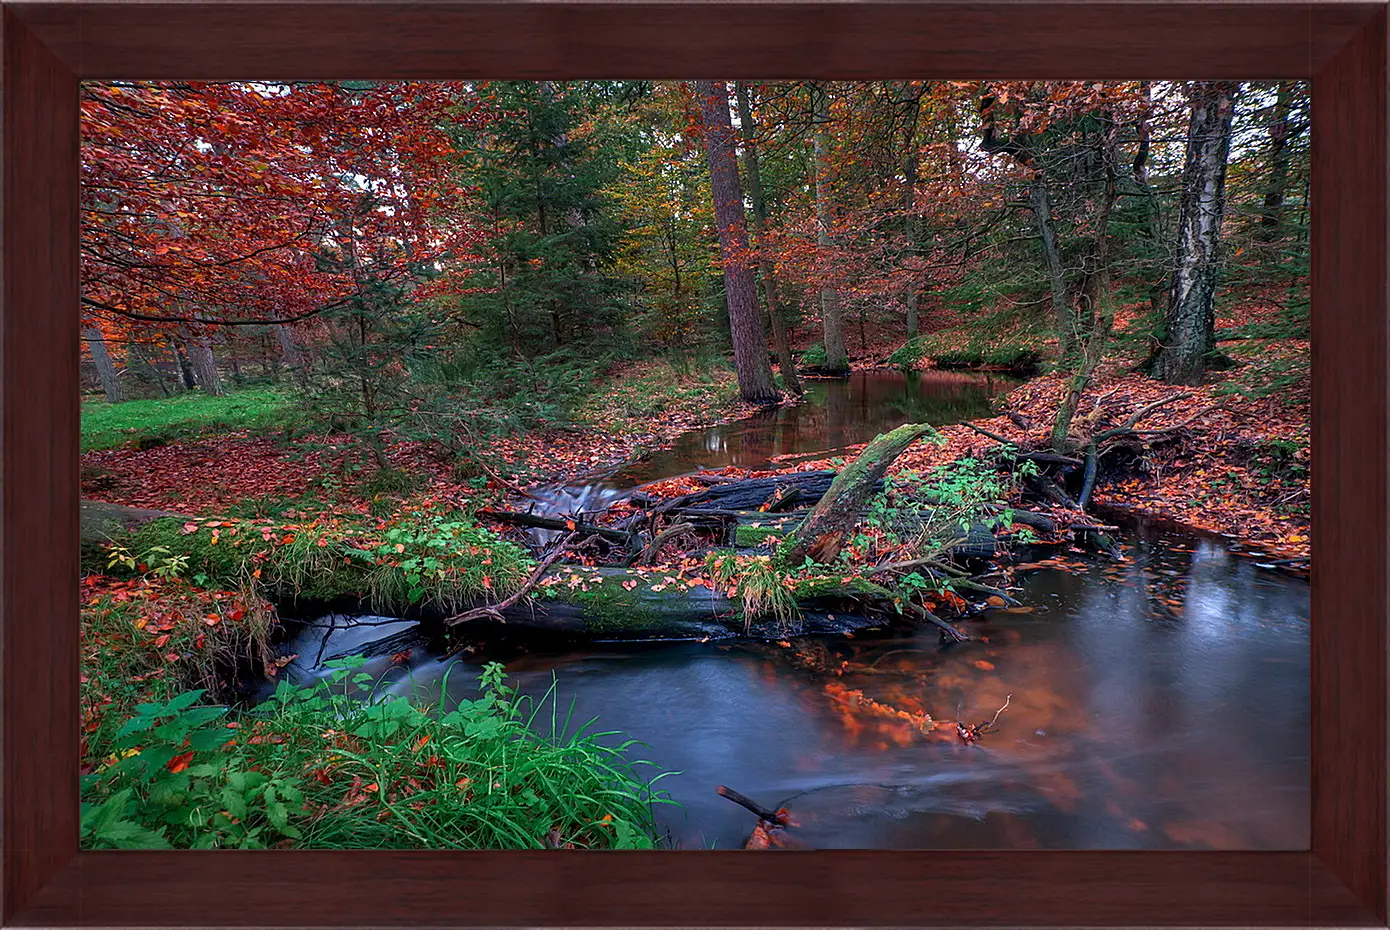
column 442, row 561
column 337, row 764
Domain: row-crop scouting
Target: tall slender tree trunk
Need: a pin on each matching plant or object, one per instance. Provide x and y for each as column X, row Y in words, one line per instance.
column 1279, row 160
column 832, row 328
column 1101, row 303
column 745, row 325
column 1063, row 317
column 786, row 365
column 291, row 353
column 154, row 368
column 200, row 351
column 1188, row 327
column 912, row 222
column 106, row 369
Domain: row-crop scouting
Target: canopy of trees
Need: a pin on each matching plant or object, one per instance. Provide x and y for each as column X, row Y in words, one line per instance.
column 381, row 245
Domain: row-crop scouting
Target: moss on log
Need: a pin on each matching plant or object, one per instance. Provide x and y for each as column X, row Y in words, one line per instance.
column 822, row 534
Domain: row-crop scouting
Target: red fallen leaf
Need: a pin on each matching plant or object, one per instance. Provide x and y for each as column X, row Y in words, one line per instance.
column 403, row 656
column 321, row 776
column 189, row 528
column 212, row 620
column 180, row 762
column 415, row 747
column 198, row 643
column 161, row 640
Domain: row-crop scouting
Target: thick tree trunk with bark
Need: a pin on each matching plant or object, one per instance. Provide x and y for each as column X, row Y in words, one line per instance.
column 745, row 325
column 200, row 350
column 106, row 369
column 1188, row 325
column 786, row 365
column 822, row 534
column 832, row 327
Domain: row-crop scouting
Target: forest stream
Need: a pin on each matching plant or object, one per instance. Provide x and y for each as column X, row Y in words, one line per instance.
column 1157, row 702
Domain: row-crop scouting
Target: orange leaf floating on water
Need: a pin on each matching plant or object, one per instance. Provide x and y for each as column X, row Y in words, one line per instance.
column 995, row 600
column 982, row 664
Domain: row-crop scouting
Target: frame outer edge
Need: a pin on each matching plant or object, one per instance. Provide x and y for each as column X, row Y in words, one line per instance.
column 39, row 468
column 1349, row 429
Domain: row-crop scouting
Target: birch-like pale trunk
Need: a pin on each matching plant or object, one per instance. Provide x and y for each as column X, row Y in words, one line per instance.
column 1188, row 325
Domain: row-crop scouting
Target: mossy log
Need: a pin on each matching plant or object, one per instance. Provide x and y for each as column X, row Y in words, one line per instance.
column 822, row 534
column 102, row 523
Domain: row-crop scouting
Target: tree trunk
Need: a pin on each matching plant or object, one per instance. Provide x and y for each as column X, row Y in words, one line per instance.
column 200, row 350
column 185, row 369
column 746, row 327
column 106, row 369
column 1279, row 161
column 154, row 368
column 1188, row 326
column 786, row 365
column 822, row 534
column 1057, row 279
column 912, row 222
column 1101, row 309
column 833, row 335
column 292, row 354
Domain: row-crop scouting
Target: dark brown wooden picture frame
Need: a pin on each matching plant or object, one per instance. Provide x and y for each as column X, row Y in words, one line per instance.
column 49, row 46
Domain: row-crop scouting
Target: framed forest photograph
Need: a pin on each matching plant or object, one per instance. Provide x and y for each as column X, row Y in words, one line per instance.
column 474, row 464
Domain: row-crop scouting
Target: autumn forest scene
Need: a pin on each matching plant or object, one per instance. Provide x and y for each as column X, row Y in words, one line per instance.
column 695, row 464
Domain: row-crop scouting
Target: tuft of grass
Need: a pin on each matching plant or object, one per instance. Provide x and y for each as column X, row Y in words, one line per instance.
column 338, row 765
column 107, row 426
column 761, row 583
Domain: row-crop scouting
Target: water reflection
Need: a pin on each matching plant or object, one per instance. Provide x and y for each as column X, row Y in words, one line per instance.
column 835, row 414
column 1131, row 723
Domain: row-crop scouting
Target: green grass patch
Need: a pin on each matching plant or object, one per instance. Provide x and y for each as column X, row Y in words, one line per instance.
column 440, row 561
column 335, row 765
column 106, row 426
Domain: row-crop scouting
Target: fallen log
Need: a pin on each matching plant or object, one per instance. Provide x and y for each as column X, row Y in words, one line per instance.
column 555, row 523
column 101, row 523
column 752, row 493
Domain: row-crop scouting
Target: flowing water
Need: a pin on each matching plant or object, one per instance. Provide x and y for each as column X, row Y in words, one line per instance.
column 1158, row 702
